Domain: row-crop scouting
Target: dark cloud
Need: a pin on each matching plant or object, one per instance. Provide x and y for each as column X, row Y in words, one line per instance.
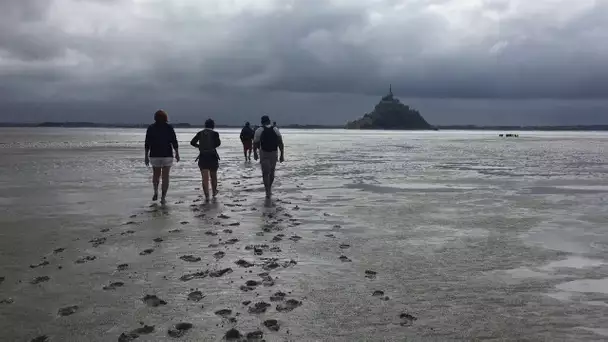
column 317, row 60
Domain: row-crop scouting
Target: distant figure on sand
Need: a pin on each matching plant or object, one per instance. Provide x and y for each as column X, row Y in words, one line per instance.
column 268, row 139
column 159, row 146
column 247, row 134
column 207, row 141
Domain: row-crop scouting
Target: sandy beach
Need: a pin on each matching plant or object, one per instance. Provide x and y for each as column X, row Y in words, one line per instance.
column 371, row 236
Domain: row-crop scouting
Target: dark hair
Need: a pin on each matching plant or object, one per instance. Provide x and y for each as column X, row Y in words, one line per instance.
column 247, row 123
column 161, row 116
column 265, row 120
column 210, row 124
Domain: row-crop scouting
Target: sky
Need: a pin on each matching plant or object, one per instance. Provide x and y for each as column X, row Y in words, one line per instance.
column 484, row 62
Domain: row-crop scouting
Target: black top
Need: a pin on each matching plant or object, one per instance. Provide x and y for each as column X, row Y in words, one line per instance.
column 161, row 140
column 247, row 133
column 203, row 146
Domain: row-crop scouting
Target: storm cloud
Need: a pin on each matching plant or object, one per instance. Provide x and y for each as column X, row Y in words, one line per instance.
column 313, row 61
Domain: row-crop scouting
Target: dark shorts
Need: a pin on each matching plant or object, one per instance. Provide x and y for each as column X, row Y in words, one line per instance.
column 208, row 162
column 247, row 144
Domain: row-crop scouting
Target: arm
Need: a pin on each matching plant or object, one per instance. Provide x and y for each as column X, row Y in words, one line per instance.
column 256, row 143
column 175, row 144
column 281, row 145
column 147, row 147
column 218, row 142
column 195, row 140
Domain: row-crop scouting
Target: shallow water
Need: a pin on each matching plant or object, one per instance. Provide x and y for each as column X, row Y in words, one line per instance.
column 478, row 237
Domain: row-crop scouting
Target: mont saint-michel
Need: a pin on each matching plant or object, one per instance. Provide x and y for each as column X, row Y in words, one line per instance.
column 390, row 113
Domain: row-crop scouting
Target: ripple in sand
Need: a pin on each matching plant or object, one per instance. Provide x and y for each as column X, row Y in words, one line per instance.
column 190, row 258
column 153, row 301
column 68, row 310
column 39, row 280
column 85, row 259
column 344, row 259
column 235, row 224
column 219, row 255
column 128, row 232
column 272, row 324
column 289, row 305
column 246, row 303
column 114, row 286
column 223, row 216
column 58, row 250
column 231, row 241
column 295, row 238
column 158, row 240
column 179, row 330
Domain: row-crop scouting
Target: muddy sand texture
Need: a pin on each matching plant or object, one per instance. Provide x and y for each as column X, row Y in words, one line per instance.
column 179, row 330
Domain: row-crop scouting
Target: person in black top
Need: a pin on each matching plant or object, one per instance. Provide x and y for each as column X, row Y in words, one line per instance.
column 268, row 140
column 207, row 141
column 160, row 143
column 247, row 140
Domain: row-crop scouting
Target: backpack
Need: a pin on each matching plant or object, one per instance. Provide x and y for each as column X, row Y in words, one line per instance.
column 206, row 141
column 247, row 133
column 269, row 140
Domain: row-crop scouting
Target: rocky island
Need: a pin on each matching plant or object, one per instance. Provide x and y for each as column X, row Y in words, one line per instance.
column 390, row 113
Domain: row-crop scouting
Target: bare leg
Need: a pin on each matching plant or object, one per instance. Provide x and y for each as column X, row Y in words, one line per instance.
column 213, row 174
column 155, row 180
column 205, row 176
column 165, row 187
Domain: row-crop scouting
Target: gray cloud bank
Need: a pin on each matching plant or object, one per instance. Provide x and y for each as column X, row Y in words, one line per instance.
column 313, row 61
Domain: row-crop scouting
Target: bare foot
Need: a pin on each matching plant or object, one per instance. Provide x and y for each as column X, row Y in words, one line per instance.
column 155, row 197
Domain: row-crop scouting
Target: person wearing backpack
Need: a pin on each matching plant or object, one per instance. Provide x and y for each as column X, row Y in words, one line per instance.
column 207, row 141
column 268, row 140
column 247, row 140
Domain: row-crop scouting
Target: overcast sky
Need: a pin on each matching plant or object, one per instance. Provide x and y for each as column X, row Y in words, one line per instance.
column 304, row 61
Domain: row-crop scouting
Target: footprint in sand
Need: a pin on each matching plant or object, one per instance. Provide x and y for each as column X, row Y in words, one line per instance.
column 235, row 224
column 227, row 231
column 407, row 319
column 246, row 303
column 244, row 263
column 344, row 259
column 153, row 301
column 278, row 297
column 289, row 305
column 146, row 251
column 255, row 336
column 42, row 264
column 344, row 246
column 39, row 280
column 2, row 280
column 272, row 324
column 134, row 334
column 195, row 296
column 179, row 330
column 219, row 273
column 58, row 250
column 370, row 274
column 158, row 240
column 98, row 241
column 122, row 267
column 114, row 286
column 233, row 335
column 224, row 313
column 219, row 255
column 295, row 238
column 190, row 258
column 128, row 232
column 210, row 233
column 197, row 275
column 42, row 338
column 85, row 259
column 223, row 216
column 259, row 308
column 68, row 310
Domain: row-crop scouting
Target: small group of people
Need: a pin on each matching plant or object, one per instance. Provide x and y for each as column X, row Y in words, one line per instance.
column 161, row 143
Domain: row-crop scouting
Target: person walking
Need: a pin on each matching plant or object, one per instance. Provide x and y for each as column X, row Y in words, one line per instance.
column 207, row 141
column 160, row 143
column 268, row 140
column 247, row 134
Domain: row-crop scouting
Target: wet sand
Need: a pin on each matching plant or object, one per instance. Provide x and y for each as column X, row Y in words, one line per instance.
column 424, row 237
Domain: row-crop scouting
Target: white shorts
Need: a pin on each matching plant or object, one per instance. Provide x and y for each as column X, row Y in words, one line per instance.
column 161, row 162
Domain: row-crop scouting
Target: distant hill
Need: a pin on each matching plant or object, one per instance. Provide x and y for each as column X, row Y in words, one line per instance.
column 390, row 113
